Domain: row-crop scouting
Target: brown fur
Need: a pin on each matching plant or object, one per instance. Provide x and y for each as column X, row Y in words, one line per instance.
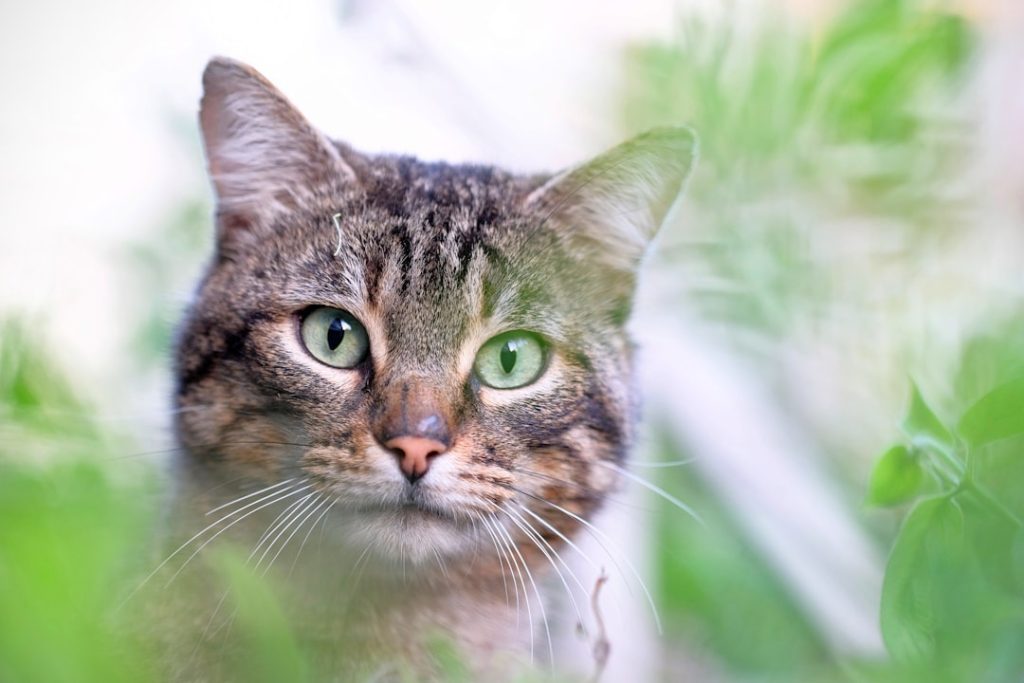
column 434, row 260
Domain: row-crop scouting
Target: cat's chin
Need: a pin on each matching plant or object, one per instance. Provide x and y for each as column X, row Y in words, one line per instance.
column 410, row 535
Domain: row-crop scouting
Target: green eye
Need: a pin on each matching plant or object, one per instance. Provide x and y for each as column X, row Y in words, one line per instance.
column 335, row 337
column 510, row 360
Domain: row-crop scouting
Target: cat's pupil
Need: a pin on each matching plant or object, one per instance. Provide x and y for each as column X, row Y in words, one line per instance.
column 508, row 357
column 336, row 333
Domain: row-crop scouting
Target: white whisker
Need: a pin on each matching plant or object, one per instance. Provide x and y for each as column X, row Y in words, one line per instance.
column 247, row 496
column 550, row 554
column 309, row 533
column 516, row 571
column 562, row 536
column 598, row 535
column 209, row 623
column 283, row 526
column 207, row 542
column 296, row 524
column 437, row 556
column 536, row 592
column 193, row 538
column 501, row 564
column 503, row 561
column 273, row 526
column 667, row 463
column 653, row 488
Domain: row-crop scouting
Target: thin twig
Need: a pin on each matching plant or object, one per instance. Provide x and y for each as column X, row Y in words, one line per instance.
column 602, row 646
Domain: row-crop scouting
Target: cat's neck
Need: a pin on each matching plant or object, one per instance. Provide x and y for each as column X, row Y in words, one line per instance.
column 389, row 612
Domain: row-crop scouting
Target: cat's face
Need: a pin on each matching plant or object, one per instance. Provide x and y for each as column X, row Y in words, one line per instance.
column 430, row 347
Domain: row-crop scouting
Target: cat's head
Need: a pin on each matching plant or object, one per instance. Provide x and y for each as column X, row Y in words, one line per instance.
column 424, row 344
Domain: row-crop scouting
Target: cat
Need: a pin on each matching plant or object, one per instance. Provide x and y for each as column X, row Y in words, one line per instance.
column 428, row 361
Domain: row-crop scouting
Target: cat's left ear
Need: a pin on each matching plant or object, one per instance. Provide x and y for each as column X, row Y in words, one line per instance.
column 611, row 207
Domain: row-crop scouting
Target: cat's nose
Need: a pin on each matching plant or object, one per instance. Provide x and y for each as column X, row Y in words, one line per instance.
column 412, row 420
column 415, row 453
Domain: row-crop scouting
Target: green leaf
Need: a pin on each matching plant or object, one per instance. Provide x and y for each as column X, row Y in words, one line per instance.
column 914, row 584
column 993, row 532
column 948, row 592
column 922, row 423
column 896, row 479
column 998, row 414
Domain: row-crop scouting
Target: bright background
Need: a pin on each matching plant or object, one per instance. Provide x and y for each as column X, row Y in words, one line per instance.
column 855, row 222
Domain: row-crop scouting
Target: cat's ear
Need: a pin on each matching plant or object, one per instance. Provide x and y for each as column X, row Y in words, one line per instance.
column 611, row 207
column 263, row 155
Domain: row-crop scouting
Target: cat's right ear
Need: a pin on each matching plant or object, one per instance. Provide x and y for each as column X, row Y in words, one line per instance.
column 264, row 157
column 610, row 207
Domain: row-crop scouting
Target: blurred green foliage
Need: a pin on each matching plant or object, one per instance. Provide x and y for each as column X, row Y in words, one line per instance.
column 953, row 599
column 952, row 607
column 72, row 525
column 801, row 128
column 41, row 413
column 722, row 597
column 816, row 141
column 69, row 534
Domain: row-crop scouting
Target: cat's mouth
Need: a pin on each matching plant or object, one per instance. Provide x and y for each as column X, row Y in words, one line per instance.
column 411, row 507
column 411, row 528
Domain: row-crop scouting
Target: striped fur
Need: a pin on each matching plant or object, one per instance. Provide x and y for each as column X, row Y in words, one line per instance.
column 434, row 259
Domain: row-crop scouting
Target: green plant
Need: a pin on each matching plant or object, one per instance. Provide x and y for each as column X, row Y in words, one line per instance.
column 953, row 598
column 811, row 141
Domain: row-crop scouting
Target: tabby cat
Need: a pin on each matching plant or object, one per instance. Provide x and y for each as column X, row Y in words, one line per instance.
column 426, row 362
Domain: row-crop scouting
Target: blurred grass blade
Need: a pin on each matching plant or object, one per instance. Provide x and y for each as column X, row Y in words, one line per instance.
column 270, row 653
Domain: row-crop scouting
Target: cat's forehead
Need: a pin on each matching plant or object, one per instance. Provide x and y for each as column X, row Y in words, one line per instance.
column 434, row 249
column 405, row 187
column 430, row 278
column 438, row 215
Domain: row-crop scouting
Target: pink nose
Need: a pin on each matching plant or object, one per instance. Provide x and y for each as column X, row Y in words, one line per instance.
column 415, row 453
